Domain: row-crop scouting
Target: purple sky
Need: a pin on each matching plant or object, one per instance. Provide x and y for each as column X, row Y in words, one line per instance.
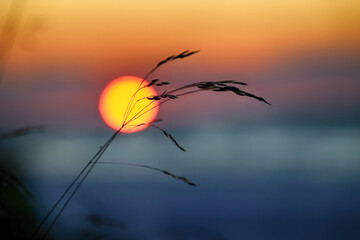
column 317, row 87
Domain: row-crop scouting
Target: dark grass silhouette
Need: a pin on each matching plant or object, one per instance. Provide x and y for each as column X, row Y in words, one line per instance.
column 17, row 216
column 21, row 131
column 153, row 168
column 154, row 101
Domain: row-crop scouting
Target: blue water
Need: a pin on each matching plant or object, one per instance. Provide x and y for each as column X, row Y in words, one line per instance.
column 274, row 207
column 254, row 182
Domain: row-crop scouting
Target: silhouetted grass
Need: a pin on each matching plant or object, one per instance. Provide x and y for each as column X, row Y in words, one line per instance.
column 153, row 168
column 154, row 101
column 21, row 131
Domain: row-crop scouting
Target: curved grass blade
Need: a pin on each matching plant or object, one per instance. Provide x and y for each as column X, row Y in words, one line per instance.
column 153, row 168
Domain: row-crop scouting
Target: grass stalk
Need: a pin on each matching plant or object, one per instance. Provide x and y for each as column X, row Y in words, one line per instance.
column 216, row 86
column 90, row 164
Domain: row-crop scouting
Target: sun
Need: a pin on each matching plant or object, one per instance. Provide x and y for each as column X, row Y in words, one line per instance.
column 115, row 99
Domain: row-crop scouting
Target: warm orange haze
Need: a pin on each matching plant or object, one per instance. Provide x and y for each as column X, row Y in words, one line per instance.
column 230, row 34
column 114, row 101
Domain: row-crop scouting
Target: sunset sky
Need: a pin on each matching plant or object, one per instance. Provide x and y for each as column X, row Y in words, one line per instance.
column 286, row 171
column 290, row 52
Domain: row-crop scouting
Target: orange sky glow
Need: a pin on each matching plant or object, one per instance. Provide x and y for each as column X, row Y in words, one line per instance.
column 289, row 52
column 123, row 33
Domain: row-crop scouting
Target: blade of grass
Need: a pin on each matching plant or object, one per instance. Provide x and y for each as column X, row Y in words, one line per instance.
column 171, row 58
column 153, row 168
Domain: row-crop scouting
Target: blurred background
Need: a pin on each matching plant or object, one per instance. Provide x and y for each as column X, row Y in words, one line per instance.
column 286, row 171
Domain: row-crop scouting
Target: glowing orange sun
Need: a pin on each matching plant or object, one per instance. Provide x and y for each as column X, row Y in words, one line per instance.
column 115, row 99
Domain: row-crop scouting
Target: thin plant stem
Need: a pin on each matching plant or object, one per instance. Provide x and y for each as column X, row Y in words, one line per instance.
column 60, row 199
column 137, row 116
column 179, row 95
column 152, row 168
column 103, row 149
column 139, row 111
column 134, row 95
column 96, row 156
column 131, row 164
column 127, row 110
column 173, row 57
column 185, row 93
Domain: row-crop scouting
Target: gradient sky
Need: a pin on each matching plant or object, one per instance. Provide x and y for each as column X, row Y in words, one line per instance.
column 286, row 171
column 303, row 56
